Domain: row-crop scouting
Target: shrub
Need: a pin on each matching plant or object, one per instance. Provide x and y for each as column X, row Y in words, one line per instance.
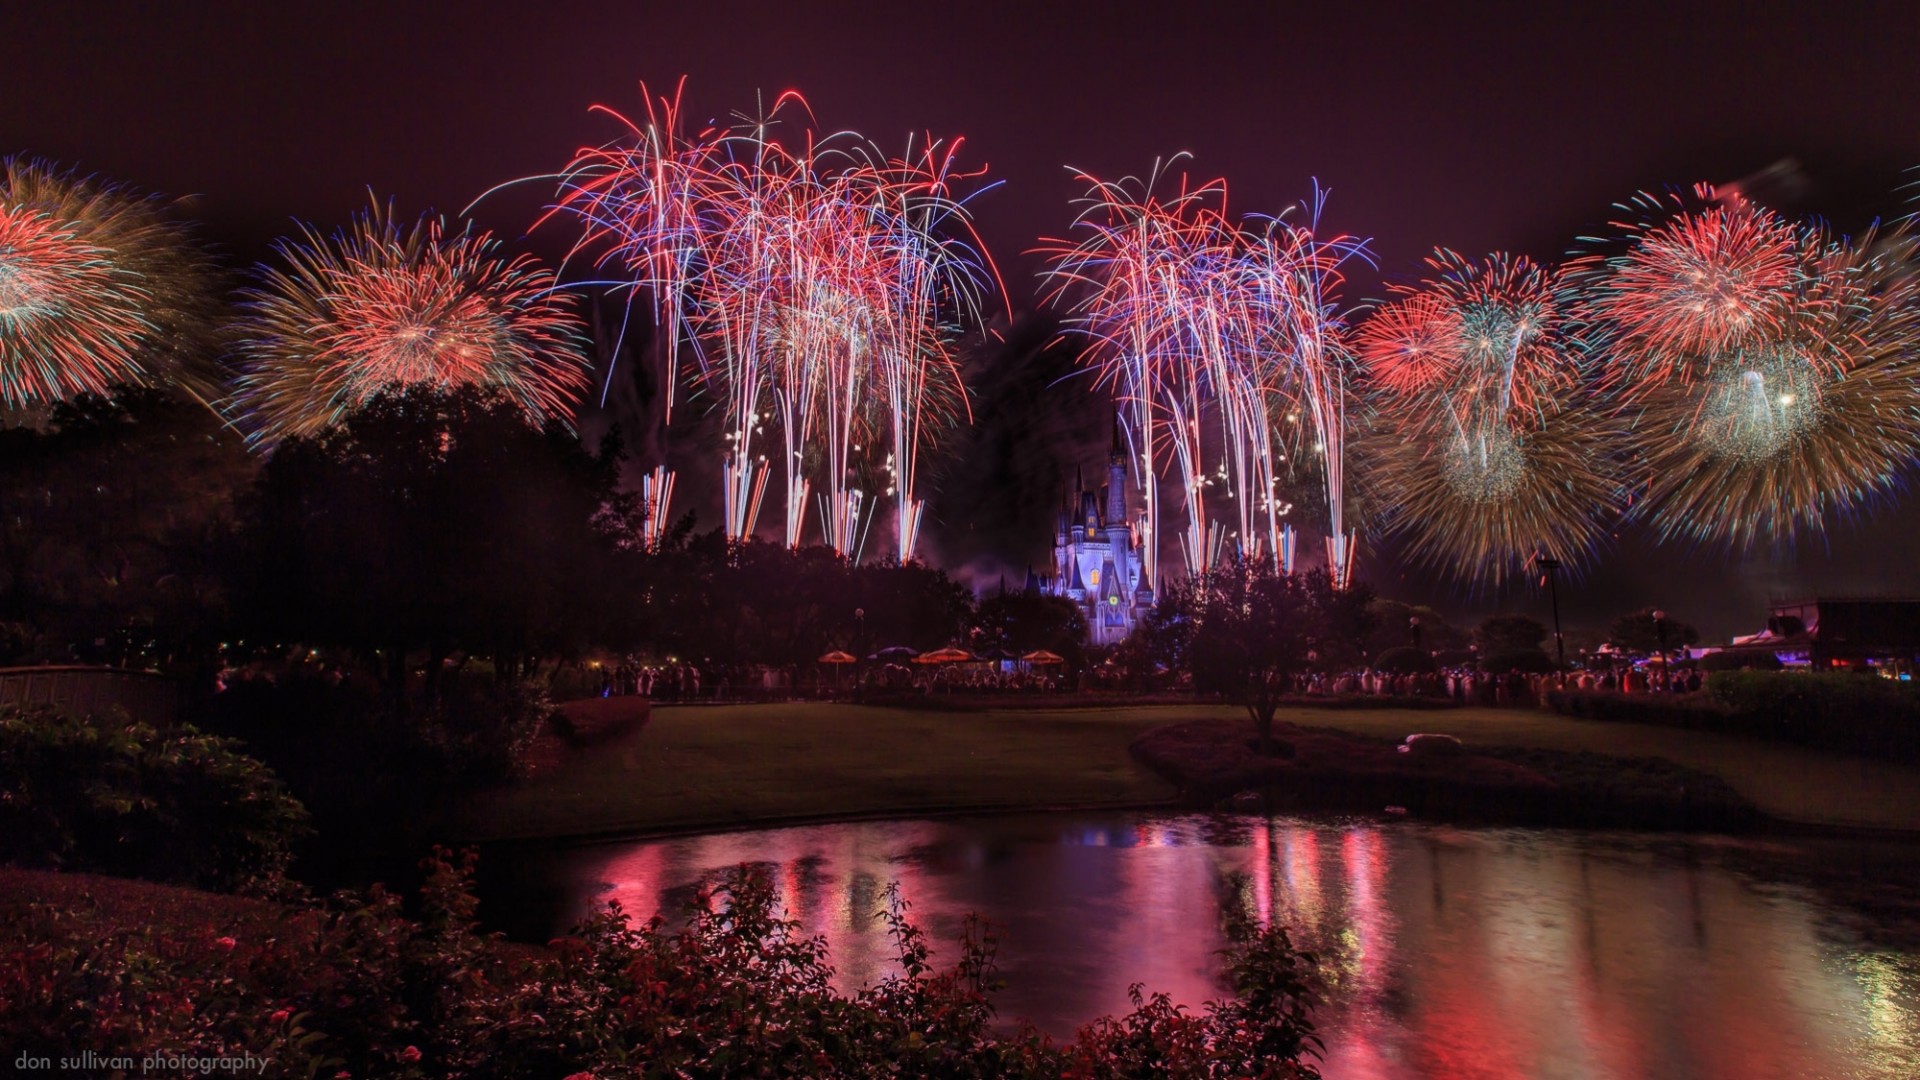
column 482, row 729
column 1853, row 713
column 1667, row 710
column 1404, row 660
column 319, row 733
column 103, row 794
column 356, row 987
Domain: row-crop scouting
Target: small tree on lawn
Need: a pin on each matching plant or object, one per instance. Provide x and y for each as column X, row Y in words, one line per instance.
column 1247, row 629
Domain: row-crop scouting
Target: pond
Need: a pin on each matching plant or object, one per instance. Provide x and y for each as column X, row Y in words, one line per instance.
column 1448, row 952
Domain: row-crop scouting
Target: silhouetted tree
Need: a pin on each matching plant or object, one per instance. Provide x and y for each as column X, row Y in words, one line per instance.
column 113, row 514
column 1640, row 633
column 1023, row 620
column 1245, row 630
column 1508, row 634
column 432, row 523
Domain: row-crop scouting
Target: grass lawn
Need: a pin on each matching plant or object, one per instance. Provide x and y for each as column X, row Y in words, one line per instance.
column 694, row 767
column 1785, row 781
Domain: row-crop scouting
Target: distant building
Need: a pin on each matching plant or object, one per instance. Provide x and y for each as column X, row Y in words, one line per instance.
column 1839, row 632
column 1097, row 557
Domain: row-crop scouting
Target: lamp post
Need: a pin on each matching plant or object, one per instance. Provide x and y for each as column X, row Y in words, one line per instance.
column 1549, row 565
column 1660, row 634
column 1413, row 626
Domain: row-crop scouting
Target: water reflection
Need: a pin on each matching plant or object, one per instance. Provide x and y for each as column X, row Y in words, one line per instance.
column 1447, row 952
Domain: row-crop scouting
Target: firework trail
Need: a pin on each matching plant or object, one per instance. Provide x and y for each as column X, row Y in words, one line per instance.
column 1300, row 276
column 1768, row 368
column 1207, row 331
column 1123, row 286
column 819, row 285
column 1491, row 441
column 378, row 307
column 98, row 288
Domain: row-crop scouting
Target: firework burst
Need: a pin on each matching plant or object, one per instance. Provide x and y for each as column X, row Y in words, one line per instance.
column 1817, row 415
column 380, row 307
column 98, row 288
column 1490, row 442
column 1768, row 369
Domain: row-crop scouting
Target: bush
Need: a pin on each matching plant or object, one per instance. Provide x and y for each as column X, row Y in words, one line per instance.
column 1855, row 712
column 1695, row 711
column 320, row 731
column 357, row 988
column 1852, row 713
column 481, row 729
column 102, row 794
column 1404, row 660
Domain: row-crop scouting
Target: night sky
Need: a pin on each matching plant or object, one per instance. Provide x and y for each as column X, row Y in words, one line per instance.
column 1488, row 127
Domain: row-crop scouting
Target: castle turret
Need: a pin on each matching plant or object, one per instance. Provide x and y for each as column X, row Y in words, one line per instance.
column 1117, row 478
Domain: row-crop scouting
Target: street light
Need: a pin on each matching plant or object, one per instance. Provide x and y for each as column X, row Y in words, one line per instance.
column 1548, row 564
column 1413, row 624
column 1660, row 634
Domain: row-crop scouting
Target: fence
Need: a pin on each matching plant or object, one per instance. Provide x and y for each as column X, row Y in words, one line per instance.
column 142, row 695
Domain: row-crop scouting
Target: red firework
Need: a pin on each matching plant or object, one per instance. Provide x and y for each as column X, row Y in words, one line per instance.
column 1699, row 283
column 379, row 308
column 1411, row 345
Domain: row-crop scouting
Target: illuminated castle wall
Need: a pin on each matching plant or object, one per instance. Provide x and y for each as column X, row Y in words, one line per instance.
column 1096, row 557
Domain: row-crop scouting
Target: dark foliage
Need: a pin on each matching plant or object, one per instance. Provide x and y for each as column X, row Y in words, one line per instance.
column 357, row 987
column 759, row 602
column 1508, row 634
column 434, row 523
column 1404, row 660
column 100, row 794
column 1640, row 634
column 1854, row 713
column 1246, row 631
column 1528, row 661
column 1020, row 622
column 1394, row 628
column 117, row 517
column 321, row 734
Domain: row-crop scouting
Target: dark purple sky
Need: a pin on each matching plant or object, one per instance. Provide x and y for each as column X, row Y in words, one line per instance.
column 1480, row 127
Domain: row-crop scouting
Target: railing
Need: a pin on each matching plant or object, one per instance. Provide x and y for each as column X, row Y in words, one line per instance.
column 143, row 695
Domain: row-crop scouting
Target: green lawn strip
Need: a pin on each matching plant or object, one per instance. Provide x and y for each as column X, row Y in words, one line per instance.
column 723, row 766
column 735, row 765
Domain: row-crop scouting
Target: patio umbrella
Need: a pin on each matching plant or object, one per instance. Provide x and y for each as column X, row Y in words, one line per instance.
column 836, row 658
column 947, row 656
column 1042, row 656
column 897, row 654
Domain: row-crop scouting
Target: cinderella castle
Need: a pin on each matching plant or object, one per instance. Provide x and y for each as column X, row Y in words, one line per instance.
column 1097, row 556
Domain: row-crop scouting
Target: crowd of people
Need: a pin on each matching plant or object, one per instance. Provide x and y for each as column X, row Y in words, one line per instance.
column 1466, row 686
column 679, row 681
column 660, row 682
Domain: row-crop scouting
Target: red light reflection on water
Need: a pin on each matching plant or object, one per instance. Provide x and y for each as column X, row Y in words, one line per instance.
column 1499, row 954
